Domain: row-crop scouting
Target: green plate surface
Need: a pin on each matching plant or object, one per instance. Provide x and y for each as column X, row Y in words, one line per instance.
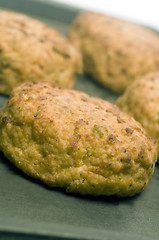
column 30, row 210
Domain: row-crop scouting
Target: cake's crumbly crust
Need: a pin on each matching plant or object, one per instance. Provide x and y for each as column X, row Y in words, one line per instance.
column 115, row 52
column 30, row 50
column 80, row 143
column 141, row 100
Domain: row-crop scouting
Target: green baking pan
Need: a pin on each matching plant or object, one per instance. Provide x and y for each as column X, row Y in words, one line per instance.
column 30, row 210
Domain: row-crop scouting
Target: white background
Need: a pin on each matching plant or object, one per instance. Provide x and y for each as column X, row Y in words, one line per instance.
column 145, row 12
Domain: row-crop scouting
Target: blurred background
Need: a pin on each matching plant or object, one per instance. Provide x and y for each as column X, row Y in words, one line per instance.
column 145, row 12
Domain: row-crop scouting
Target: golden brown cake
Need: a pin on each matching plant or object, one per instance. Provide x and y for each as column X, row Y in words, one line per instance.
column 115, row 52
column 141, row 100
column 83, row 144
column 30, row 50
